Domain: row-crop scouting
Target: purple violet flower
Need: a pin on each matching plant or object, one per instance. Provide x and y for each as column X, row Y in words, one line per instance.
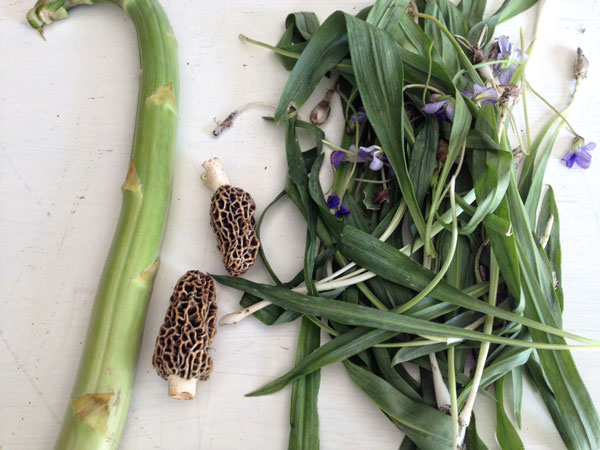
column 334, row 202
column 337, row 158
column 342, row 211
column 374, row 153
column 480, row 92
column 580, row 154
column 443, row 109
column 505, row 71
column 360, row 117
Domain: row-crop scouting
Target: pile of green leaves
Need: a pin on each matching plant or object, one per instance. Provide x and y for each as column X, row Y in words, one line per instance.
column 470, row 240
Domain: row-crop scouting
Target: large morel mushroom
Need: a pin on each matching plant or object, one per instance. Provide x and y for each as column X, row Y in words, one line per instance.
column 232, row 218
column 181, row 352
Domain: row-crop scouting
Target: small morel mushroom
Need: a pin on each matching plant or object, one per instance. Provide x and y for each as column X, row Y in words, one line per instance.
column 181, row 352
column 232, row 218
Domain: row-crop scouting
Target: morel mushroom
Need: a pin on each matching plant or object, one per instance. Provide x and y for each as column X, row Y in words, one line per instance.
column 181, row 352
column 232, row 219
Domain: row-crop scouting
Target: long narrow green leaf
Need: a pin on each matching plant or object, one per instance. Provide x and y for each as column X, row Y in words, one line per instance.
column 507, row 435
column 327, row 48
column 490, row 170
column 390, row 264
column 370, row 317
column 517, row 393
column 472, row 439
column 379, row 76
column 304, row 419
column 300, row 27
column 338, row 349
column 423, row 159
column 391, row 375
column 536, row 376
column 509, row 359
column 385, row 14
column 572, row 398
column 414, row 418
column 549, row 213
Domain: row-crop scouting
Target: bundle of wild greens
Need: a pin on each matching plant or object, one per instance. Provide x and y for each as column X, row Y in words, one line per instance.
column 436, row 243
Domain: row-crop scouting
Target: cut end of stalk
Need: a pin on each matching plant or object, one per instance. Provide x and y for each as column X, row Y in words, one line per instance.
column 42, row 14
column 214, row 175
column 181, row 388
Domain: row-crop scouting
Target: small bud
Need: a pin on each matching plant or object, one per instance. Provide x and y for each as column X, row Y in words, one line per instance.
column 510, row 96
column 442, row 152
column 580, row 69
column 493, row 52
column 484, row 71
column 577, row 143
column 320, row 113
column 381, row 195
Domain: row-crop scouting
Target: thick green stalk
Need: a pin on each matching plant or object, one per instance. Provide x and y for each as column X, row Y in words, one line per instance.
column 96, row 414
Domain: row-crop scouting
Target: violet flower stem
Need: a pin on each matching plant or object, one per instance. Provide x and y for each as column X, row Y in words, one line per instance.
column 553, row 108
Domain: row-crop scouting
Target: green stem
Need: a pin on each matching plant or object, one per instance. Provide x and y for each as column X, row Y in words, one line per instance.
column 283, row 52
column 96, row 415
column 453, row 400
column 465, row 414
column 459, row 51
column 552, row 107
column 447, row 262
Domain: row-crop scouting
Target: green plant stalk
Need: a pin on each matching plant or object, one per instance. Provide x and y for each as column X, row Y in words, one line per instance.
column 97, row 411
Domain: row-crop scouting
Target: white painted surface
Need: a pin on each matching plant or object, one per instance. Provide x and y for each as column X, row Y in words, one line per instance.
column 67, row 110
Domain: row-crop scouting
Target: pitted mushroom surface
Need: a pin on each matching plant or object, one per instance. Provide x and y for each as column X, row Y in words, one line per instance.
column 181, row 351
column 232, row 218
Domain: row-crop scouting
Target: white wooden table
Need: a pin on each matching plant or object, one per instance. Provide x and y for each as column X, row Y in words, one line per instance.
column 67, row 110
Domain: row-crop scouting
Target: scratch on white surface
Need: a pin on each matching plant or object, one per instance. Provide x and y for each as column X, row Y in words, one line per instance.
column 21, row 367
column 18, row 174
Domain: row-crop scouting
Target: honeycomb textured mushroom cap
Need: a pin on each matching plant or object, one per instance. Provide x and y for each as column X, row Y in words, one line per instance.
column 232, row 218
column 181, row 351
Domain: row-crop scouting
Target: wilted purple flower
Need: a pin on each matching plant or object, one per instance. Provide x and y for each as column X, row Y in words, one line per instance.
column 441, row 106
column 580, row 154
column 374, row 153
column 505, row 71
column 342, row 211
column 360, row 117
column 337, row 158
column 481, row 93
column 334, row 202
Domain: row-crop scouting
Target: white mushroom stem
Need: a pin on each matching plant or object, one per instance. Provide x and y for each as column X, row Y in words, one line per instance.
column 181, row 388
column 214, row 175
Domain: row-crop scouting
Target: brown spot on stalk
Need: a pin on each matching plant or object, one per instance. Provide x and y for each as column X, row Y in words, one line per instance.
column 132, row 182
column 94, row 409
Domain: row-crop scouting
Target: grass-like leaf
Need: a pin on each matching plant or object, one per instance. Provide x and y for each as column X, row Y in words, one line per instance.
column 414, row 418
column 379, row 72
